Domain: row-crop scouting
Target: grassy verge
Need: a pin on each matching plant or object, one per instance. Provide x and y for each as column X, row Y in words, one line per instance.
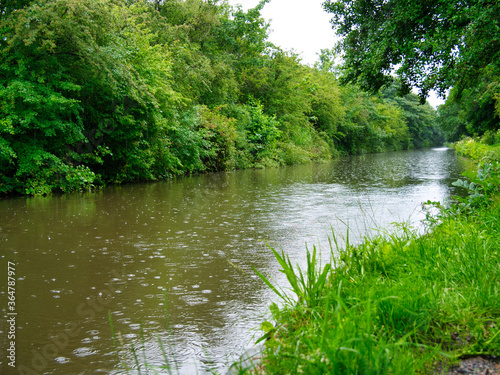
column 399, row 303
column 486, row 148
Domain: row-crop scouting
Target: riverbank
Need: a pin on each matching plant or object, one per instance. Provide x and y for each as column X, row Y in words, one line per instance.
column 398, row 303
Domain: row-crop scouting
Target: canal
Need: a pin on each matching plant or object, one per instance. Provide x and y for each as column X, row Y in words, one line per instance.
column 161, row 272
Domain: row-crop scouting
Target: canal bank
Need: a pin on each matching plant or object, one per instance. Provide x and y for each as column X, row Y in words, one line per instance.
column 400, row 302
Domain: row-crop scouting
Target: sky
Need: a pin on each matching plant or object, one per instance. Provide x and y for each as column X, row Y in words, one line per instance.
column 302, row 26
column 299, row 25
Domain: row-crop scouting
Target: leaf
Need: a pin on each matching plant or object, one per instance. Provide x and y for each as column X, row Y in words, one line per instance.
column 460, row 183
column 267, row 327
column 269, row 284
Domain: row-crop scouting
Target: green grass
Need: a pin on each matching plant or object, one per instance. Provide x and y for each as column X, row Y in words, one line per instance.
column 396, row 304
column 480, row 149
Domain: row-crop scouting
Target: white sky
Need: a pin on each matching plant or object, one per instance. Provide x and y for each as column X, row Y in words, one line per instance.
column 302, row 26
column 298, row 25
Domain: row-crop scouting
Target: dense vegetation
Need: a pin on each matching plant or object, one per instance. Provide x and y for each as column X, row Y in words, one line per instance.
column 94, row 92
column 399, row 303
column 435, row 44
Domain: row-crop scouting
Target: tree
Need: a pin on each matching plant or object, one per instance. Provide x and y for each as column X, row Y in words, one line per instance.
column 450, row 121
column 110, row 91
column 420, row 118
column 81, row 96
column 431, row 44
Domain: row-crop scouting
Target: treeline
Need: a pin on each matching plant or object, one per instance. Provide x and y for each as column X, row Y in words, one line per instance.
column 473, row 112
column 450, row 46
column 94, row 92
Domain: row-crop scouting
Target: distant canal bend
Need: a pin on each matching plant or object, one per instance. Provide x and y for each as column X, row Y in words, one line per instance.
column 189, row 242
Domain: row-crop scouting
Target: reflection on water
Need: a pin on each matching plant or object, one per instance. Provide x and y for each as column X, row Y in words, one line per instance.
column 187, row 246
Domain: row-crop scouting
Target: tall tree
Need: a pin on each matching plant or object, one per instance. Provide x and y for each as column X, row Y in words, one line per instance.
column 430, row 43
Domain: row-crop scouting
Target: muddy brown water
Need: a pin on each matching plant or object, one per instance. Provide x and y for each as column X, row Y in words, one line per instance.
column 170, row 262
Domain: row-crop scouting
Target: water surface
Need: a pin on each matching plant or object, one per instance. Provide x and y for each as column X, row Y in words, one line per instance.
column 186, row 247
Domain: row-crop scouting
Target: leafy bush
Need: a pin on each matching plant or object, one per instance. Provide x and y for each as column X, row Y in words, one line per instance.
column 40, row 173
column 482, row 186
column 477, row 151
column 491, row 137
column 187, row 143
column 262, row 131
column 289, row 154
column 220, row 132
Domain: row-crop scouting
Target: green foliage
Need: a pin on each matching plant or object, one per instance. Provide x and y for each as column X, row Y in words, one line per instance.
column 421, row 119
column 371, row 125
column 220, row 132
column 432, row 45
column 81, row 82
column 478, row 150
column 436, row 44
column 42, row 172
column 8, row 6
column 450, row 121
column 187, row 143
column 262, row 131
column 290, row 154
column 472, row 111
column 482, row 186
column 112, row 91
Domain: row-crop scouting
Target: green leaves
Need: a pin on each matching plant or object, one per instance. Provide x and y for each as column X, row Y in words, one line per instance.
column 82, row 83
column 41, row 172
column 308, row 287
column 263, row 131
column 109, row 91
column 482, row 187
column 432, row 44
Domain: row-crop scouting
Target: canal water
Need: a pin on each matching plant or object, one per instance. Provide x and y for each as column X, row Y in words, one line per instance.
column 162, row 272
